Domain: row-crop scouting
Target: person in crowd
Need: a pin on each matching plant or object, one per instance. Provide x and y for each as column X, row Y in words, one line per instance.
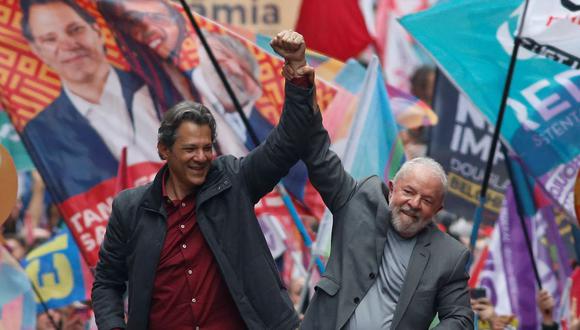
column 422, row 86
column 486, row 316
column 189, row 244
column 16, row 245
column 389, row 266
column 96, row 99
column 546, row 306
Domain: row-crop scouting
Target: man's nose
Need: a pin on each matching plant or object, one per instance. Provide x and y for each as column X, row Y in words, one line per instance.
column 415, row 202
column 67, row 42
column 201, row 155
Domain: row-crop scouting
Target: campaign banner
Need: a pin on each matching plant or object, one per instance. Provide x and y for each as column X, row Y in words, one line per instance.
column 75, row 103
column 550, row 28
column 58, row 272
column 78, row 97
column 472, row 42
column 508, row 275
column 461, row 143
column 525, row 208
column 559, row 183
column 258, row 16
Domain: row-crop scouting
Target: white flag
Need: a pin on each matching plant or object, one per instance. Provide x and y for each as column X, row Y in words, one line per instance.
column 552, row 29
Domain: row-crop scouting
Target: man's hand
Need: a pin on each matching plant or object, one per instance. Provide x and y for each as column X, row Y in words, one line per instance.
column 501, row 322
column 483, row 308
column 291, row 46
column 546, row 305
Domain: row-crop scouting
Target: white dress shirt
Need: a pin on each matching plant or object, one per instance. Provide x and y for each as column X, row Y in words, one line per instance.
column 110, row 118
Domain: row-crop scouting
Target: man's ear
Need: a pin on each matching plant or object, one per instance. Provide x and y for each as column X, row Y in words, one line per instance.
column 162, row 150
column 391, row 186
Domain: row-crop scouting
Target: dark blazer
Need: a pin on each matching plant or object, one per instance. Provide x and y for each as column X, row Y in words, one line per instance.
column 69, row 153
column 436, row 278
column 225, row 214
column 295, row 181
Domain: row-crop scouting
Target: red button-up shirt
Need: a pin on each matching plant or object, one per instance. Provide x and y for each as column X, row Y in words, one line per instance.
column 189, row 291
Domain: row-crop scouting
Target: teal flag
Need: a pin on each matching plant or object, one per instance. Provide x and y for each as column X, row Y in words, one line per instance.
column 472, row 41
column 10, row 139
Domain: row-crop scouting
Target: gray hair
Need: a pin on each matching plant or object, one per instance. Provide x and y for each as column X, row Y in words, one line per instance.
column 237, row 47
column 184, row 111
column 430, row 163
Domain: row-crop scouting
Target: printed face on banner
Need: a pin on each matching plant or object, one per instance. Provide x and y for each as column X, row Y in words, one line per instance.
column 67, row 89
column 414, row 200
column 68, row 133
column 67, row 43
column 239, row 66
column 153, row 23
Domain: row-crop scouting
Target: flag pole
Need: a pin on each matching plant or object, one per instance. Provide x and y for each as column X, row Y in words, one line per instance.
column 44, row 306
column 521, row 213
column 478, row 215
column 220, row 73
column 255, row 140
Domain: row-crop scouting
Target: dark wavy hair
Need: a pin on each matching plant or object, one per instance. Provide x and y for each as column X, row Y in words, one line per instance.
column 184, row 111
column 25, row 6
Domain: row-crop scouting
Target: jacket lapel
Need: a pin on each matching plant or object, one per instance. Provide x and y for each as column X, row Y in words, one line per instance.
column 383, row 224
column 417, row 263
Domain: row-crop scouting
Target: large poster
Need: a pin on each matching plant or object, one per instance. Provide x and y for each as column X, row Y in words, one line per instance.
column 461, row 143
column 83, row 81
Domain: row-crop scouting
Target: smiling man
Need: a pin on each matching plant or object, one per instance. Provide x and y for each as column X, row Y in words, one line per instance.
column 389, row 265
column 73, row 135
column 189, row 244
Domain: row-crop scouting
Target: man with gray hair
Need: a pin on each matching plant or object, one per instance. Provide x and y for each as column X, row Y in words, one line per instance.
column 243, row 72
column 389, row 266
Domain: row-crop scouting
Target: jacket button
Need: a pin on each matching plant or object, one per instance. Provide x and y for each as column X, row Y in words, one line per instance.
column 356, row 300
column 372, row 276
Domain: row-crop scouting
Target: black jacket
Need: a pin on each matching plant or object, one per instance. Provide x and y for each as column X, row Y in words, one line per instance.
column 225, row 214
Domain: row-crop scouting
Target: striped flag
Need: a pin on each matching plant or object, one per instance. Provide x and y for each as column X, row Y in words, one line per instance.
column 58, row 272
column 373, row 146
column 508, row 271
column 17, row 307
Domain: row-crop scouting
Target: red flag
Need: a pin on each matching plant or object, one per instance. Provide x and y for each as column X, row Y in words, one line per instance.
column 341, row 33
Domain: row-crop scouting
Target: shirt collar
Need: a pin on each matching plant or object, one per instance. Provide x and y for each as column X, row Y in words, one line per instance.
column 112, row 87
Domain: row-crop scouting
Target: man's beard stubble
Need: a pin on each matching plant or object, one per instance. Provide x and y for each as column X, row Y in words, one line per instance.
column 409, row 227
